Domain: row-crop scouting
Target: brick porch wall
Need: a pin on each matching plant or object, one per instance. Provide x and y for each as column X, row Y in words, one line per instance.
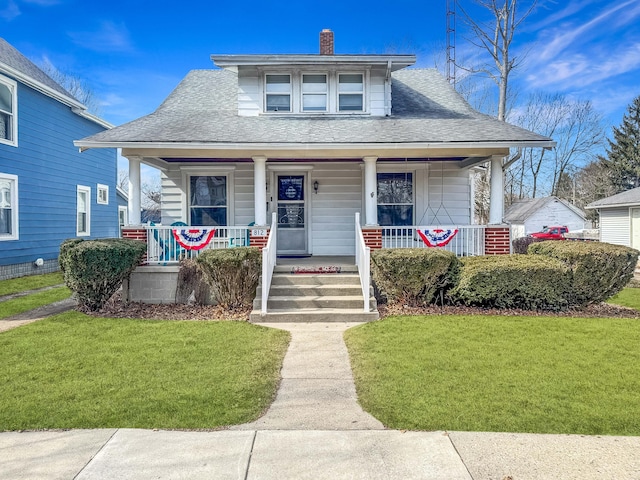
column 497, row 240
column 136, row 233
column 372, row 237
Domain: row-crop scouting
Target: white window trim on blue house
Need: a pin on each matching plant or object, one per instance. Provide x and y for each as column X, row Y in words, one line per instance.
column 102, row 194
column 12, row 113
column 12, row 204
column 86, row 191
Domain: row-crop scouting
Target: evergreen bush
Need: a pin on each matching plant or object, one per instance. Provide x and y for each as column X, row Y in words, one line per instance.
column 598, row 270
column 95, row 269
column 513, row 281
column 412, row 276
column 232, row 273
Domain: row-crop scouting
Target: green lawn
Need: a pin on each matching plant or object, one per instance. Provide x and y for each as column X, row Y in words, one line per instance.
column 35, row 300
column 77, row 371
column 504, row 374
column 628, row 297
column 32, row 282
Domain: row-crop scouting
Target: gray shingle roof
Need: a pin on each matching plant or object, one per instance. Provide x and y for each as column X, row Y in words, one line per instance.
column 629, row 197
column 203, row 108
column 519, row 211
column 14, row 59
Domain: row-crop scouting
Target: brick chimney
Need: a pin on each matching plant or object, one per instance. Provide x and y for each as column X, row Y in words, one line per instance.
column 326, row 42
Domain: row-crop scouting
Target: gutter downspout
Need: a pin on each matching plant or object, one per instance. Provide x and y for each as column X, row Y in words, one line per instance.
column 387, row 90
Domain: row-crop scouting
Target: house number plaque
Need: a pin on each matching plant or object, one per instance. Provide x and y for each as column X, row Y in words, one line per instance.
column 258, row 232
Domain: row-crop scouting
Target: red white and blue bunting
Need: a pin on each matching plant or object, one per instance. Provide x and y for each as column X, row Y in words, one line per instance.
column 193, row 238
column 437, row 237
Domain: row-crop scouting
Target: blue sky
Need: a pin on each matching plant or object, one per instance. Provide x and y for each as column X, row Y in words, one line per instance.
column 134, row 53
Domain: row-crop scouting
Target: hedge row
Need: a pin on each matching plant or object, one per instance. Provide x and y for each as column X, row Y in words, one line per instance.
column 553, row 276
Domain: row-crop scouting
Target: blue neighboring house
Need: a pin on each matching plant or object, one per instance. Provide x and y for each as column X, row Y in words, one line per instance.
column 48, row 190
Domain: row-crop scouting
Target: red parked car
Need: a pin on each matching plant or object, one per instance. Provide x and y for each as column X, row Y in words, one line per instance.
column 551, row 233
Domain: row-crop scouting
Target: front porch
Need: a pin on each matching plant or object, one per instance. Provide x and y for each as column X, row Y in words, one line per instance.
column 156, row 280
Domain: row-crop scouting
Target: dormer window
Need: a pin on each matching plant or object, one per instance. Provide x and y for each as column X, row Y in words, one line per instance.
column 314, row 93
column 278, row 93
column 350, row 92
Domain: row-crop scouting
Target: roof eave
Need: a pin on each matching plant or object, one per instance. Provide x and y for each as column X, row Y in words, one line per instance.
column 615, row 205
column 85, row 145
column 397, row 61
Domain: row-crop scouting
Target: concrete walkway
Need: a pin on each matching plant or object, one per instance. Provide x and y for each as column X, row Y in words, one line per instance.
column 317, row 390
column 36, row 314
column 315, row 429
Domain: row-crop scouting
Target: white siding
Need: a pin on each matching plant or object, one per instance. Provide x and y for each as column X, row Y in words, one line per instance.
column 449, row 193
column 334, row 207
column 376, row 93
column 175, row 187
column 249, row 93
column 614, row 226
column 554, row 213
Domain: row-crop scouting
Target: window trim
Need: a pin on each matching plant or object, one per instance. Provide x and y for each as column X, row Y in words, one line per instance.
column 290, row 92
column 332, row 92
column 122, row 209
column 86, row 190
column 413, row 193
column 102, row 188
column 217, row 170
column 325, row 93
column 15, row 232
column 361, row 92
column 13, row 88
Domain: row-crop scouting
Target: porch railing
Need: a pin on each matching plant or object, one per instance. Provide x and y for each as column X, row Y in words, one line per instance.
column 468, row 241
column 268, row 262
column 164, row 249
column 363, row 258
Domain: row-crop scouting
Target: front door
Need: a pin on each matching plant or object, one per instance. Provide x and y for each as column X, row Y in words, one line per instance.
column 292, row 214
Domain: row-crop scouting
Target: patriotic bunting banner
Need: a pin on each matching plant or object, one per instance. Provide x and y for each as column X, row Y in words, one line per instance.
column 193, row 238
column 437, row 237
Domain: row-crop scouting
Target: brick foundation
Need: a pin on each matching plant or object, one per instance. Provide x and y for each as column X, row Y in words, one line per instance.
column 372, row 237
column 497, row 240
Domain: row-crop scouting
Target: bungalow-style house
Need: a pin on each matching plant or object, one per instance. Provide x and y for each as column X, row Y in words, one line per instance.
column 533, row 214
column 318, row 140
column 619, row 218
column 49, row 191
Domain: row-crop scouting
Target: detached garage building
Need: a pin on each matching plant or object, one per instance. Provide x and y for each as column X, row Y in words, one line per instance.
column 620, row 218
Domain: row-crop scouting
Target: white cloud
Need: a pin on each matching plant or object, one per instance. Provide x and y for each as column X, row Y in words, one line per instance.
column 10, row 11
column 109, row 37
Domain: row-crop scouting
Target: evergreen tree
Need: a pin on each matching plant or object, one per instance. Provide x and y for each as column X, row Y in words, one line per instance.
column 623, row 154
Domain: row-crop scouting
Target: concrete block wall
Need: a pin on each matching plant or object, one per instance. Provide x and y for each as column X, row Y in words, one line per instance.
column 152, row 284
column 29, row 268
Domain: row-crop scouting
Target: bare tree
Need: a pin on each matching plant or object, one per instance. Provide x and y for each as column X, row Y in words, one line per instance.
column 74, row 84
column 123, row 180
column 495, row 37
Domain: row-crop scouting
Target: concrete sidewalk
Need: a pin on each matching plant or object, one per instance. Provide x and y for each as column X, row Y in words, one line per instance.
column 315, row 429
column 281, row 454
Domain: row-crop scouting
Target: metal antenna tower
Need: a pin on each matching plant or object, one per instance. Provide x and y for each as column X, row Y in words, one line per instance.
column 451, row 41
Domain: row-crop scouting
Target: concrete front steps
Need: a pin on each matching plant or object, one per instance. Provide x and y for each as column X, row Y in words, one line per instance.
column 314, row 297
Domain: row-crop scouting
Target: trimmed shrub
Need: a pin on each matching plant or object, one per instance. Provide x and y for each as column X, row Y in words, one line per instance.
column 412, row 276
column 232, row 273
column 513, row 281
column 95, row 269
column 521, row 244
column 191, row 280
column 599, row 270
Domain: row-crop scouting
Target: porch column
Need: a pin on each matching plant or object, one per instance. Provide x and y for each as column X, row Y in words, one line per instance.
column 260, row 190
column 496, row 194
column 370, row 191
column 134, row 190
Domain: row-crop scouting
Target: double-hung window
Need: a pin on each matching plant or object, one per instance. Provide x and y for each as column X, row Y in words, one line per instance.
column 83, row 211
column 314, row 92
column 350, row 92
column 208, row 200
column 395, row 199
column 278, row 93
column 8, row 207
column 8, row 120
column 103, row 194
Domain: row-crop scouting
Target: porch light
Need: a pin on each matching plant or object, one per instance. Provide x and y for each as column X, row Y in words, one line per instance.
column 315, row 186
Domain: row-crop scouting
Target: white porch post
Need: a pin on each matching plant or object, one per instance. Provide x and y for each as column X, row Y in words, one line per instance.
column 260, row 189
column 134, row 191
column 496, row 194
column 370, row 191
